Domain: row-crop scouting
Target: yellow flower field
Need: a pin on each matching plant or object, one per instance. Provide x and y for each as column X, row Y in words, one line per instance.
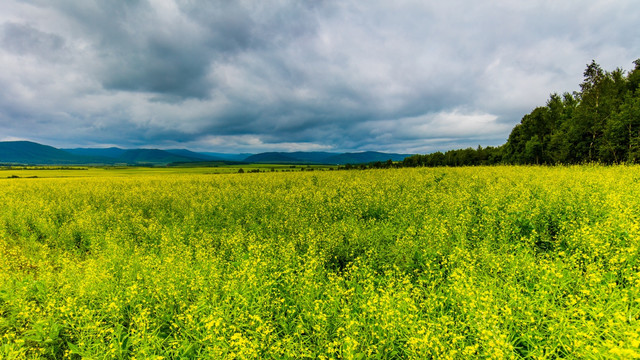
column 487, row 262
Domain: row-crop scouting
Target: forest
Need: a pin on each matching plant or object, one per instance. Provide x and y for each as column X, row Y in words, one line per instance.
column 599, row 123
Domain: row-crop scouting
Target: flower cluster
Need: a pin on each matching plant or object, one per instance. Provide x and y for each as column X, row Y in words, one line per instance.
column 452, row 263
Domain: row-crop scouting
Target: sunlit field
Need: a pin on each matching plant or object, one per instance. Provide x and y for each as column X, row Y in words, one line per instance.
column 489, row 262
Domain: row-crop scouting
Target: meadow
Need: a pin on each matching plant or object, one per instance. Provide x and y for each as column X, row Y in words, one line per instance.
column 32, row 172
column 502, row 262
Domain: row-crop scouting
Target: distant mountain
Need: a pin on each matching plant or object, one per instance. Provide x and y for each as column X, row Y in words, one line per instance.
column 195, row 155
column 112, row 152
column 227, row 157
column 319, row 157
column 153, row 156
column 322, row 158
column 27, row 152
column 363, row 157
column 30, row 153
column 119, row 155
column 272, row 158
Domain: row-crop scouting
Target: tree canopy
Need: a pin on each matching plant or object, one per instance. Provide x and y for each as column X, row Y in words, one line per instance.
column 599, row 123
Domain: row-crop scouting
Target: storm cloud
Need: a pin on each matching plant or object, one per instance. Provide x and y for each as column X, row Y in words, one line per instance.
column 250, row 76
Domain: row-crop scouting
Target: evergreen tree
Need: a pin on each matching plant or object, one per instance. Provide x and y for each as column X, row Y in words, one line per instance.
column 599, row 123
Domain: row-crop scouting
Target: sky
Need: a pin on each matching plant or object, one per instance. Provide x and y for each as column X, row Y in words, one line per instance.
column 254, row 76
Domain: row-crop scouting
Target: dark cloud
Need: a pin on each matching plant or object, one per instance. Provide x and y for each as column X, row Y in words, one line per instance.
column 290, row 75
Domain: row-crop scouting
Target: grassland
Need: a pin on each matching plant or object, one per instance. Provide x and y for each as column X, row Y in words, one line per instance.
column 32, row 172
column 486, row 262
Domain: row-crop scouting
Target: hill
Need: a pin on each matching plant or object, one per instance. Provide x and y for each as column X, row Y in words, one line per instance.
column 322, row 158
column 272, row 158
column 227, row 156
column 111, row 152
column 27, row 152
column 194, row 155
column 363, row 157
column 133, row 156
column 153, row 156
column 318, row 157
column 31, row 153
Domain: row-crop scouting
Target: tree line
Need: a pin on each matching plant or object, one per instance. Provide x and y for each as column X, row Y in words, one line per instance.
column 599, row 123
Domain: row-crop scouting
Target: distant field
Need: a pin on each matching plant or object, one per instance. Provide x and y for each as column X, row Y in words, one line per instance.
column 117, row 171
column 488, row 262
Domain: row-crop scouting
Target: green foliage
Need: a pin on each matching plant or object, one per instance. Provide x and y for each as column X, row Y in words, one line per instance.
column 598, row 124
column 463, row 157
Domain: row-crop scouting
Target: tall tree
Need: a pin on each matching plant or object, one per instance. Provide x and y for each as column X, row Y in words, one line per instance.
column 601, row 122
column 588, row 120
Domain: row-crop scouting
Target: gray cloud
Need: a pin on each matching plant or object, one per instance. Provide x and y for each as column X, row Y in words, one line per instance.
column 408, row 76
column 22, row 39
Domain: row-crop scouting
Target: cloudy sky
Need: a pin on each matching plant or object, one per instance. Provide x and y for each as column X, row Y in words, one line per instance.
column 252, row 76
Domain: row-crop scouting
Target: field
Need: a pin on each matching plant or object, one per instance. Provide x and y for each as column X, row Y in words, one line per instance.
column 128, row 171
column 486, row 262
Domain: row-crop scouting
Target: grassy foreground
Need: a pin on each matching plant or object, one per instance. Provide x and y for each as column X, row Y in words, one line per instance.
column 493, row 262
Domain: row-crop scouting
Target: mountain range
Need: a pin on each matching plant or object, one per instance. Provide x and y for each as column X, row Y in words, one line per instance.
column 31, row 153
column 301, row 157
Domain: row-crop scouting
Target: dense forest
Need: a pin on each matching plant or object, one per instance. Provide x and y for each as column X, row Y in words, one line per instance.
column 599, row 123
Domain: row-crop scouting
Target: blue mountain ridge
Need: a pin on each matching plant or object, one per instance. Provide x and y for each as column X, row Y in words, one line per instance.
column 27, row 152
